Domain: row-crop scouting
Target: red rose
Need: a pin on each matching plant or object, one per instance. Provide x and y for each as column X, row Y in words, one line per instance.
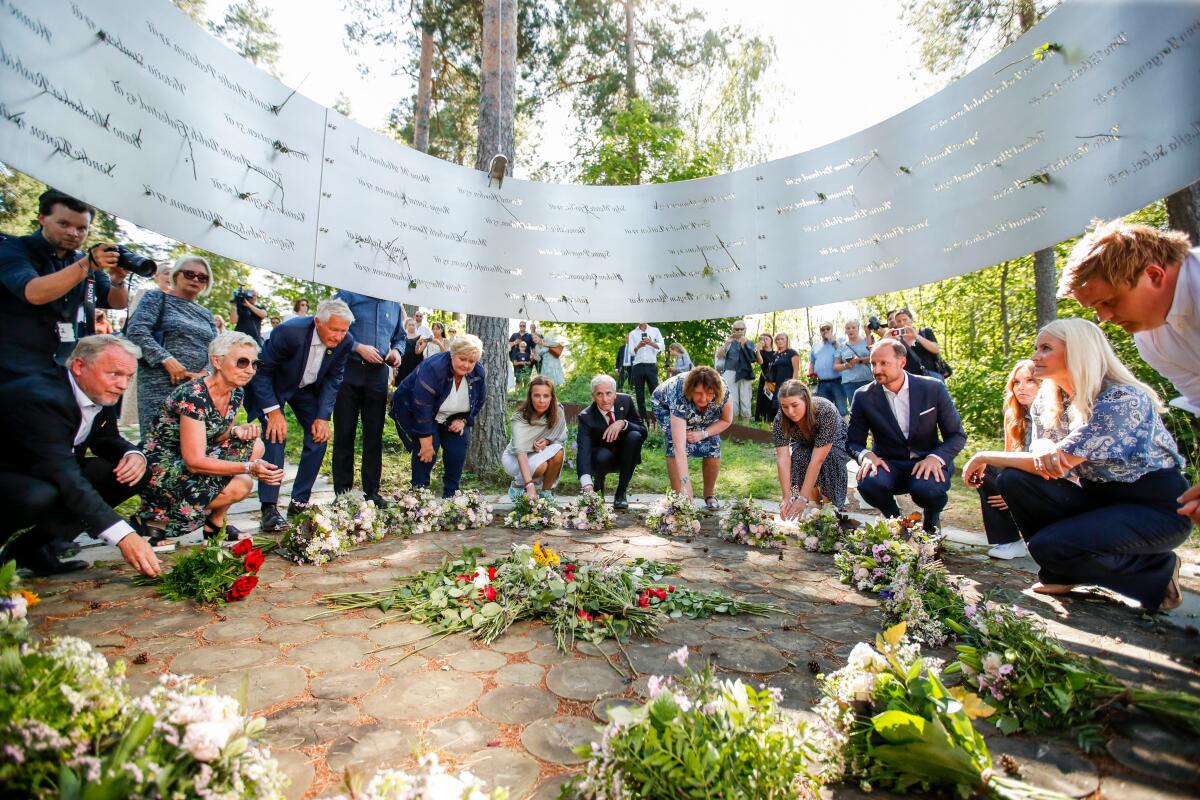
column 670, row 588
column 243, row 547
column 241, row 588
column 489, row 593
column 491, row 573
column 662, row 595
column 570, row 576
column 254, row 559
column 585, row 616
column 644, row 602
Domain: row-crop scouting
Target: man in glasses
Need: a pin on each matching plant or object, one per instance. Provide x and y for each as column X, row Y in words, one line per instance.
column 822, row 359
column 50, row 289
column 378, row 332
column 736, row 356
column 302, row 365
column 65, row 466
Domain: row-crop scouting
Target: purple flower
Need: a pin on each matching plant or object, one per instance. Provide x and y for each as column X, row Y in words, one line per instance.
column 886, row 594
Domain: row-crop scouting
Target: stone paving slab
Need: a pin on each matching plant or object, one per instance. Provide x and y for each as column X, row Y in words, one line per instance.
column 348, row 691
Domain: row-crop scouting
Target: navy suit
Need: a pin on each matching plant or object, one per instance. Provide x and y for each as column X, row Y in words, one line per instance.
column 277, row 383
column 934, row 429
column 597, row 457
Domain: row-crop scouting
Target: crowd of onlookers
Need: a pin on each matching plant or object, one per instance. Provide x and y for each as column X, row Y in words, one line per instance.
column 1089, row 483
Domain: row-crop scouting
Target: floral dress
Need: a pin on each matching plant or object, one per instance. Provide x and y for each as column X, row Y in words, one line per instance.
column 175, row 497
column 830, row 429
column 668, row 400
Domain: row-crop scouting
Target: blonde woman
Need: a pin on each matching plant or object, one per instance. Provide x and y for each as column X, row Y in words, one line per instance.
column 1020, row 390
column 1118, row 526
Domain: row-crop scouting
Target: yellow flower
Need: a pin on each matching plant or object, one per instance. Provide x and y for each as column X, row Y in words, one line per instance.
column 972, row 705
column 31, row 599
column 544, row 557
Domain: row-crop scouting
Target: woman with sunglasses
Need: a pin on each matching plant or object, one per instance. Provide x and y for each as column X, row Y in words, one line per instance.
column 174, row 332
column 200, row 463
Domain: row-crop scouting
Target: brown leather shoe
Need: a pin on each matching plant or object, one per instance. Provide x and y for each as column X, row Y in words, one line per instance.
column 1173, row 598
column 1054, row 588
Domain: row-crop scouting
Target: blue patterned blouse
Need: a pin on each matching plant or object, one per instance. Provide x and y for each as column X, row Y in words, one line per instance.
column 1123, row 441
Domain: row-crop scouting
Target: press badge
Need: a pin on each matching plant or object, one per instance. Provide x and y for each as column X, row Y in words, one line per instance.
column 66, row 331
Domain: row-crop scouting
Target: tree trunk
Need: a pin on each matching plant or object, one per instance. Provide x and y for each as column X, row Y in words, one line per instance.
column 424, row 92
column 1004, row 325
column 497, row 84
column 1183, row 211
column 1045, row 286
column 630, row 52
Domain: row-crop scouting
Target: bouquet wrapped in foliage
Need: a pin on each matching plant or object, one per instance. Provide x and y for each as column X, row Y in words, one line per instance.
column 533, row 515
column 1036, row 684
column 901, row 729
column 673, row 515
column 211, row 573
column 14, row 605
column 324, row 531
column 591, row 513
column 824, row 530
column 746, row 523
column 579, row 601
column 702, row 737
column 464, row 511
column 413, row 510
column 432, row 781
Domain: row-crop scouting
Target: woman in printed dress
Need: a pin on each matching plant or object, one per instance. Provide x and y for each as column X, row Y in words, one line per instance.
column 200, row 463
column 693, row 409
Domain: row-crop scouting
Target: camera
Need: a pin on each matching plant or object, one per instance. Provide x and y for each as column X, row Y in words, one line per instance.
column 242, row 294
column 134, row 262
column 873, row 324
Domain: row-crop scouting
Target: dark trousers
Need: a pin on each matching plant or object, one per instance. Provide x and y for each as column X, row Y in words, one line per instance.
column 622, row 457
column 831, row 390
column 30, row 501
column 304, row 405
column 1117, row 535
column 363, row 394
column 880, row 489
column 621, row 379
column 643, row 378
column 454, row 454
column 999, row 525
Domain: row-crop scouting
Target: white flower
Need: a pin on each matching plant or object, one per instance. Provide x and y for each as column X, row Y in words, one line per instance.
column 863, row 656
column 655, row 686
column 205, row 740
column 481, row 579
column 680, row 656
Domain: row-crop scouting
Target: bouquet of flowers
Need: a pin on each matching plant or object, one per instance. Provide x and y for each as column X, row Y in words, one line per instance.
column 14, row 604
column 746, row 523
column 591, row 513
column 211, row 573
column 824, row 530
column 432, row 781
column 464, row 511
column 533, row 515
column 579, row 601
column 1036, row 684
column 702, row 737
column 673, row 515
column 901, row 729
column 413, row 510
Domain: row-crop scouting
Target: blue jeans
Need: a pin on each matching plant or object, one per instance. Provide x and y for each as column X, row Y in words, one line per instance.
column 304, row 405
column 831, row 390
column 454, row 453
column 1117, row 535
column 850, row 387
column 880, row 489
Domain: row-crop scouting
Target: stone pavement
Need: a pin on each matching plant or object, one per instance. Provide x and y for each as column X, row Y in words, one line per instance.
column 337, row 696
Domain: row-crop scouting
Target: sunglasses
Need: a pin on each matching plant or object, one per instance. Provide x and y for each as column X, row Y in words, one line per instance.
column 244, row 362
column 826, row 330
column 199, row 277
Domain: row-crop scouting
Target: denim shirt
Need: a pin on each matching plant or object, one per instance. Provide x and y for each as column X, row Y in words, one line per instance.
column 859, row 372
column 821, row 358
column 376, row 322
column 1124, row 440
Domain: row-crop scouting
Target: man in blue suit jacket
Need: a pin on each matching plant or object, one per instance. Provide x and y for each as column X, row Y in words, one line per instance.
column 302, row 365
column 916, row 434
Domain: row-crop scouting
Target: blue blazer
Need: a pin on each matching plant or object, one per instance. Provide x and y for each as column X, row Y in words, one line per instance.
column 419, row 396
column 933, row 423
column 283, row 358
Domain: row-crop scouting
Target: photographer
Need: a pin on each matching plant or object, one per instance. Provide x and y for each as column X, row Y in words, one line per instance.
column 51, row 289
column 249, row 316
column 920, row 343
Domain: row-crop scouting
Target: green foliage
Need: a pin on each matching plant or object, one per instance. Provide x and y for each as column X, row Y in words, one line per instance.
column 593, row 346
column 286, row 290
column 636, row 148
column 18, row 201
column 247, row 29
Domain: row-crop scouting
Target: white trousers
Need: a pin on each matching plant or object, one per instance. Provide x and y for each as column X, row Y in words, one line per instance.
column 509, row 460
column 740, row 393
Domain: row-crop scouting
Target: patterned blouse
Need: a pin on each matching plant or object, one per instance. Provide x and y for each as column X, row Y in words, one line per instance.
column 1123, row 441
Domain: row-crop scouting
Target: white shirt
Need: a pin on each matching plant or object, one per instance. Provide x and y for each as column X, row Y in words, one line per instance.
column 89, row 409
column 1173, row 348
column 312, row 367
column 424, row 332
column 646, row 355
column 900, row 405
column 457, row 402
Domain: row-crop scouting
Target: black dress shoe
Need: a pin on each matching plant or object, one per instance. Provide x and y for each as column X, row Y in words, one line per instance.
column 932, row 522
column 379, row 502
column 272, row 521
column 296, row 508
column 42, row 561
column 620, row 503
column 66, row 549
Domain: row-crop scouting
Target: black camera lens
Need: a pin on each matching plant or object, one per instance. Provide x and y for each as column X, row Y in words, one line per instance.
column 135, row 263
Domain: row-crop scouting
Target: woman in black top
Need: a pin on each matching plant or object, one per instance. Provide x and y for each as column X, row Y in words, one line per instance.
column 414, row 350
column 764, row 354
column 787, row 361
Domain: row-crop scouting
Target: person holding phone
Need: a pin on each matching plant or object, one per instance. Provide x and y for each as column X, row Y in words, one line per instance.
column 853, row 361
column 642, row 346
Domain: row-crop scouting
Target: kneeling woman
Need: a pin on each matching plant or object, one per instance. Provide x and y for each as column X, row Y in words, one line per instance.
column 693, row 409
column 200, row 463
column 436, row 406
column 535, row 454
column 1117, row 527
column 810, row 450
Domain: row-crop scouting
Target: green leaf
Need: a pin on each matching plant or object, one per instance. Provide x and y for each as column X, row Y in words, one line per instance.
column 491, row 610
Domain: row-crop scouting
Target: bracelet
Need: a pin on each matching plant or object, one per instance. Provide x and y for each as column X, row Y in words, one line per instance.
column 530, row 483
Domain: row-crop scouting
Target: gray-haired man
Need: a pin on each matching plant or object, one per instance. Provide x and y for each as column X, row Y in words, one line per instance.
column 610, row 439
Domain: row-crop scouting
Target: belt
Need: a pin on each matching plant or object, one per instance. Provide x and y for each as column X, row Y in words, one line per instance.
column 829, row 380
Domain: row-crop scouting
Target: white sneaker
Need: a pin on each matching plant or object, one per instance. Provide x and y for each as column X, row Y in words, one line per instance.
column 1010, row 550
